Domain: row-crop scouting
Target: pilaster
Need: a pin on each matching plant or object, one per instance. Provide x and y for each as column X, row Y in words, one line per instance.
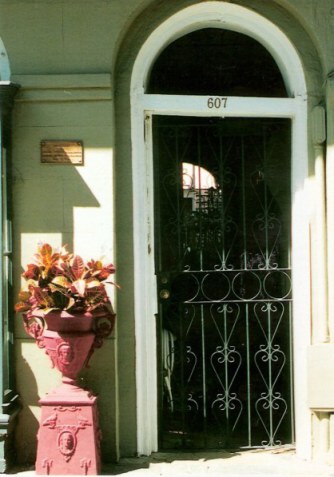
column 9, row 403
column 330, row 201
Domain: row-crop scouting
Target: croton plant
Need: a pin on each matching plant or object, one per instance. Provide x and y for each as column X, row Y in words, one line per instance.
column 59, row 280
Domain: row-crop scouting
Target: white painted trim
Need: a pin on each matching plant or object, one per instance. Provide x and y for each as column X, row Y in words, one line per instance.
column 65, row 88
column 233, row 17
column 145, row 298
column 301, row 276
column 235, row 106
column 213, row 14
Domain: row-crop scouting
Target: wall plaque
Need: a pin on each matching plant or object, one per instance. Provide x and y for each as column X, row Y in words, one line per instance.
column 62, row 152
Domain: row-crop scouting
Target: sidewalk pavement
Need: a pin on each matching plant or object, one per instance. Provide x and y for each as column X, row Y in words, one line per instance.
column 263, row 463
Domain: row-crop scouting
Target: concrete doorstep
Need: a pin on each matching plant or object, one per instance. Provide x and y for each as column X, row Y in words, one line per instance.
column 273, row 463
column 270, row 463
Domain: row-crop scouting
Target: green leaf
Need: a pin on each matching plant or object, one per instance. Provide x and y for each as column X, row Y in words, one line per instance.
column 93, row 283
column 70, row 303
column 61, row 281
column 80, row 287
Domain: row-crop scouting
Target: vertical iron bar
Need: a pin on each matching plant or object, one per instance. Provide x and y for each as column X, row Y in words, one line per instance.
column 266, row 211
column 183, row 397
column 291, row 375
column 227, row 391
column 222, row 204
column 200, row 200
column 270, row 390
column 179, row 194
column 249, row 411
column 201, row 244
column 243, row 184
column 204, row 375
column 266, row 226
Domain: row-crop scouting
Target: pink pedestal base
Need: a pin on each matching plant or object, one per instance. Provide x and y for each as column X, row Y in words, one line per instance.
column 69, row 435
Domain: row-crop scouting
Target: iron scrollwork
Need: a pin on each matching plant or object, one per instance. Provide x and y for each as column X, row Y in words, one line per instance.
column 226, row 216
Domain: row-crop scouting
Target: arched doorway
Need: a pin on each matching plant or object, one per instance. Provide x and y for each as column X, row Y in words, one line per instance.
column 153, row 108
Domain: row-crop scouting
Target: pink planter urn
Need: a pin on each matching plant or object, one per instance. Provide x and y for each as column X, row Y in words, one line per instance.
column 69, row 434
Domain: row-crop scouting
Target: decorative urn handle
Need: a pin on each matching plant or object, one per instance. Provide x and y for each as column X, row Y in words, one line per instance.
column 69, row 340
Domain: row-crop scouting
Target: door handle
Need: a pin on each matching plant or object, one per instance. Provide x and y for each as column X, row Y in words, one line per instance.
column 164, row 294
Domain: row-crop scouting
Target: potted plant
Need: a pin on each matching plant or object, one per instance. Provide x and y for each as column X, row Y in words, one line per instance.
column 65, row 298
column 66, row 308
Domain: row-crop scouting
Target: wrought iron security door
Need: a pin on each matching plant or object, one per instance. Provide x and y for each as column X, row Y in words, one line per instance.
column 222, row 212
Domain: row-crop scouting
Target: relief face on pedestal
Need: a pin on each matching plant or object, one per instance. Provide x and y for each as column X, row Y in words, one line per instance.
column 67, row 443
column 67, row 428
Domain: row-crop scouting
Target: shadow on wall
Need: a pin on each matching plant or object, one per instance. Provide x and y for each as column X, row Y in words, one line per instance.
column 44, row 200
column 26, row 431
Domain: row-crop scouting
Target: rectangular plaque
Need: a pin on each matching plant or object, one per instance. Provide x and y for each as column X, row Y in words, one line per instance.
column 62, row 152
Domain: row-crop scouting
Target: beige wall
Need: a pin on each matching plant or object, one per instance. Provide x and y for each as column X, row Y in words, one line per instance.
column 63, row 204
column 63, row 55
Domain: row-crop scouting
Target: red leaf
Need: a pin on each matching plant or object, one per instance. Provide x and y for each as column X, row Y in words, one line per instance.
column 20, row 307
column 78, row 267
column 31, row 272
column 45, row 250
column 41, row 297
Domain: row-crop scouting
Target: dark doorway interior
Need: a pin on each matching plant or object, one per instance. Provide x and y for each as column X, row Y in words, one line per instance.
column 213, row 61
column 222, row 217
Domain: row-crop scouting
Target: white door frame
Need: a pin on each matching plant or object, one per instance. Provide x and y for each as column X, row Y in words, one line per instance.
column 143, row 106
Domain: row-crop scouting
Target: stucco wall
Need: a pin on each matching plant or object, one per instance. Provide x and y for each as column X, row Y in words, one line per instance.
column 63, row 204
column 73, row 60
column 66, row 204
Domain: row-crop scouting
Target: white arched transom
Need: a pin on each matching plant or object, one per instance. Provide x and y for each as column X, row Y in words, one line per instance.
column 230, row 17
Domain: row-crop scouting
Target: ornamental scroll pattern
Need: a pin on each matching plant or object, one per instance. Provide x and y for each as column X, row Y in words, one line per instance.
column 226, row 269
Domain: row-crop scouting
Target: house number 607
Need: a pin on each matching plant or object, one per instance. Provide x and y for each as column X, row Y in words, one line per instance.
column 217, row 102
